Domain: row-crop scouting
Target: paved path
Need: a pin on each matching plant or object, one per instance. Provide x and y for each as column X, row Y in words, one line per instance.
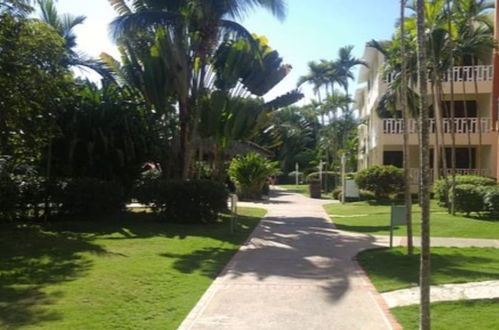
column 295, row 272
column 444, row 292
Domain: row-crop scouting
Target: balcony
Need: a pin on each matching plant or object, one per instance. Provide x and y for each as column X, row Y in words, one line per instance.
column 461, row 126
column 462, row 73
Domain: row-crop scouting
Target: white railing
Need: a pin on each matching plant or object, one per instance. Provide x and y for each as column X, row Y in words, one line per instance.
column 460, row 73
column 470, row 73
column 459, row 171
column 461, row 125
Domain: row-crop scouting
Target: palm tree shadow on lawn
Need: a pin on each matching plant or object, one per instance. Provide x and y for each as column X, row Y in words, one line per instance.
column 30, row 259
column 34, row 256
column 314, row 253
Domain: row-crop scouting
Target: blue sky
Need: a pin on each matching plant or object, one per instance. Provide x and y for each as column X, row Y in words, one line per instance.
column 313, row 29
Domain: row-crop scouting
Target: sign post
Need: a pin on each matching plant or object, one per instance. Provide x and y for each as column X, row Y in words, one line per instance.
column 397, row 218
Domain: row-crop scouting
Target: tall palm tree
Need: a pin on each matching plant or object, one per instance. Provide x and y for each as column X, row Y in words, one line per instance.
column 405, row 115
column 64, row 25
column 345, row 63
column 424, row 281
column 188, row 33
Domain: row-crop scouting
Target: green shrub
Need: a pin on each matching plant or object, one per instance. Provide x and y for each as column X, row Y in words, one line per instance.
column 337, row 192
column 89, row 196
column 382, row 181
column 491, row 201
column 250, row 172
column 469, row 198
column 441, row 190
column 9, row 196
column 333, row 179
column 198, row 201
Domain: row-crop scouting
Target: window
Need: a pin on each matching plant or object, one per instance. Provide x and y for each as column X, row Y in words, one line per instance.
column 395, row 158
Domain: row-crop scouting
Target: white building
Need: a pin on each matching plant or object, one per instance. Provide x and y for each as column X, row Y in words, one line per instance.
column 381, row 139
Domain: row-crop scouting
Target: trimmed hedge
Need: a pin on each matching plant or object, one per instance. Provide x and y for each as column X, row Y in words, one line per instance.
column 9, row 196
column 441, row 191
column 383, row 181
column 469, row 198
column 89, row 196
column 198, row 201
column 491, row 201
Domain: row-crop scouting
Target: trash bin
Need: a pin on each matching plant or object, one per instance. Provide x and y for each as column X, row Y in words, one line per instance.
column 314, row 187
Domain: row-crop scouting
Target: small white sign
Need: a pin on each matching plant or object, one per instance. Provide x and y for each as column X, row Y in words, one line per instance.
column 351, row 189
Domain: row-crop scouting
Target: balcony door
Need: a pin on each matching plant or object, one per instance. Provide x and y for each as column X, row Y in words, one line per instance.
column 395, row 158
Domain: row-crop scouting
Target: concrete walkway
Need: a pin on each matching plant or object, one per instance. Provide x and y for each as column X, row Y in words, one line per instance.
column 295, row 272
column 444, row 292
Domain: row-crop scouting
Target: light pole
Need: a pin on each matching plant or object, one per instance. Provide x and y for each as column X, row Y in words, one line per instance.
column 297, row 169
column 343, row 177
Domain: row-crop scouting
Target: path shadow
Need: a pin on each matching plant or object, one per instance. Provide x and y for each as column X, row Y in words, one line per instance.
column 305, row 249
column 30, row 259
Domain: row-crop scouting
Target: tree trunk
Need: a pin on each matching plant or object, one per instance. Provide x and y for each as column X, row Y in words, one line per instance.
column 479, row 118
column 185, row 139
column 405, row 115
column 468, row 132
column 425, row 321
column 452, row 113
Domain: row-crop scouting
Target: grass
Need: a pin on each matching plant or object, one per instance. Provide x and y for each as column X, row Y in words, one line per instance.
column 374, row 219
column 459, row 315
column 392, row 269
column 129, row 272
column 303, row 190
column 300, row 189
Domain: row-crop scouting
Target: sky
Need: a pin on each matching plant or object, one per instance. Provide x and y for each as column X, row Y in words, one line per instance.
column 312, row 30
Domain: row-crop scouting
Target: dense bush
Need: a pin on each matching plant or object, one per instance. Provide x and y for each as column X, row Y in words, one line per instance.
column 250, row 172
column 382, row 181
column 441, row 190
column 469, row 198
column 331, row 178
column 198, row 201
column 491, row 201
column 89, row 196
column 9, row 196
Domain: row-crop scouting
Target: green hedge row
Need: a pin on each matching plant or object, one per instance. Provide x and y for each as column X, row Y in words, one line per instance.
column 478, row 199
column 198, row 201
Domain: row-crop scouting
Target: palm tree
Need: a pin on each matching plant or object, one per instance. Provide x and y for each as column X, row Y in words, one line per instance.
column 405, row 115
column 345, row 63
column 187, row 32
column 17, row 7
column 64, row 25
column 424, row 282
column 476, row 34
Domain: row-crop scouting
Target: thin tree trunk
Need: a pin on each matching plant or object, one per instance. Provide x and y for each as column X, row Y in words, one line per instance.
column 185, row 139
column 425, row 320
column 452, row 113
column 479, row 118
column 468, row 126
column 440, row 128
column 405, row 115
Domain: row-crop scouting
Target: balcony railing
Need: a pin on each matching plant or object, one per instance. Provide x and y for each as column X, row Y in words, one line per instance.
column 461, row 73
column 459, row 171
column 470, row 73
column 461, row 125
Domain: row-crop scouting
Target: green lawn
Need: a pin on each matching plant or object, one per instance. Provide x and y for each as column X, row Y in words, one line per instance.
column 375, row 219
column 392, row 269
column 300, row 189
column 303, row 189
column 125, row 273
column 459, row 315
